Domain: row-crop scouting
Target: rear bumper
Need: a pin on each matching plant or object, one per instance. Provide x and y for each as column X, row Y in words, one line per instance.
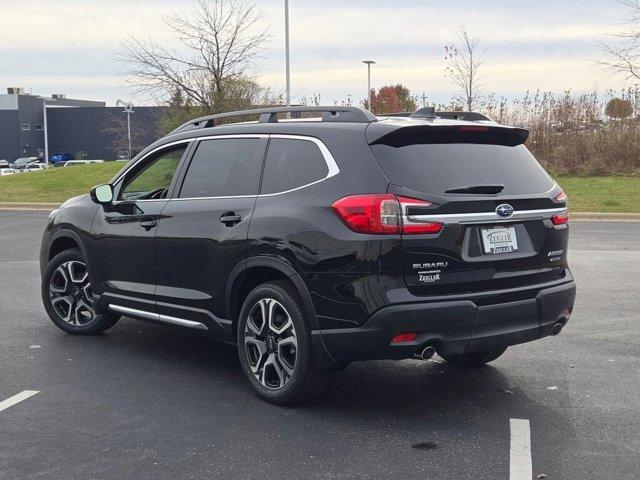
column 452, row 327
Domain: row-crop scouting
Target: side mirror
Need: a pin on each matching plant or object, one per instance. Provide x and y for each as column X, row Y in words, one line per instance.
column 102, row 194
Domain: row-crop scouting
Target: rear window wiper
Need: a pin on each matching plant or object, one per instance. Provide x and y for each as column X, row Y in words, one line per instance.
column 479, row 189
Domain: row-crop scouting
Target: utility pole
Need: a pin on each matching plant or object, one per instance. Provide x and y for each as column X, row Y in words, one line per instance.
column 286, row 41
column 369, row 63
column 424, row 99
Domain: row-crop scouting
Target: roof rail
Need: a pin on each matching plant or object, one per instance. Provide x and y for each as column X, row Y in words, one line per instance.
column 421, row 113
column 270, row 115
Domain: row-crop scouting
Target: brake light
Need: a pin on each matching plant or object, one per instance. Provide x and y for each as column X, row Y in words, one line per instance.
column 561, row 198
column 473, row 128
column 383, row 214
column 561, row 218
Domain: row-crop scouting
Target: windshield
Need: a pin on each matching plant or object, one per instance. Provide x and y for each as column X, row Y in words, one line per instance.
column 436, row 168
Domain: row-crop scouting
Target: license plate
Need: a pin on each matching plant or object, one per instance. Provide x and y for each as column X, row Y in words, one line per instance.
column 499, row 240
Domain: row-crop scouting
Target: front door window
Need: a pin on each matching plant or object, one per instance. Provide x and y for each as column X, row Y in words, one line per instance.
column 153, row 179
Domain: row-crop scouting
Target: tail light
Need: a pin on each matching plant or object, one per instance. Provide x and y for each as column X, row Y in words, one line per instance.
column 383, row 214
column 561, row 198
column 369, row 213
column 561, row 218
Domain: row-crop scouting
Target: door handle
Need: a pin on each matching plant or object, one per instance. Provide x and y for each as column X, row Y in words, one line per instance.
column 230, row 219
column 148, row 224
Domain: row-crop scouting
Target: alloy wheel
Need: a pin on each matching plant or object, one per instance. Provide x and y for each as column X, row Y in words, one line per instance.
column 271, row 344
column 70, row 293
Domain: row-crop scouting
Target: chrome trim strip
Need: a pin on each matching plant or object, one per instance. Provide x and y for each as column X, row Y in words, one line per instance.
column 182, row 322
column 157, row 317
column 141, row 159
column 332, row 166
column 485, row 217
column 206, row 198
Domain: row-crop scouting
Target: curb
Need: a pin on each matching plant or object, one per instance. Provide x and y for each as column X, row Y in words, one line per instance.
column 46, row 207
column 605, row 217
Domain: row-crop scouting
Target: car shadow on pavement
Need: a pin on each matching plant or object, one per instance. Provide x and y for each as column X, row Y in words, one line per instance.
column 146, row 371
column 403, row 386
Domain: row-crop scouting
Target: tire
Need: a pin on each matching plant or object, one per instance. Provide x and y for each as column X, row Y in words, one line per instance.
column 474, row 359
column 67, row 297
column 274, row 345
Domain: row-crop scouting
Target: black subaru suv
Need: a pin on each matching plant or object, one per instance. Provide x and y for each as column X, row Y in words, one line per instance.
column 314, row 242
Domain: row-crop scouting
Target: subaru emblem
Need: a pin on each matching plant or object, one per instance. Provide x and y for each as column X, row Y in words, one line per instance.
column 505, row 210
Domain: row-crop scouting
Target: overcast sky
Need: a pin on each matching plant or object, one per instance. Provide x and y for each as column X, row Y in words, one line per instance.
column 65, row 46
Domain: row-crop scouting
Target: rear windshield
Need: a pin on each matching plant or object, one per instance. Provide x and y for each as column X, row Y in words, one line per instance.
column 436, row 168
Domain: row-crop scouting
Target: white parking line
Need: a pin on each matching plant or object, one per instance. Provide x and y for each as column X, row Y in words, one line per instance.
column 520, row 453
column 9, row 402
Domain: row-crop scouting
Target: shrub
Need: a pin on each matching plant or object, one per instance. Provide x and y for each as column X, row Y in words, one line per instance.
column 572, row 134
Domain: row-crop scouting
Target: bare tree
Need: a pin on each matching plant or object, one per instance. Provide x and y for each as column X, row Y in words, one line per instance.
column 463, row 63
column 219, row 41
column 623, row 56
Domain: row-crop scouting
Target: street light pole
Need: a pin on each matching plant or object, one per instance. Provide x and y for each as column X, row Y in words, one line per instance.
column 286, row 41
column 46, row 133
column 369, row 63
column 128, row 109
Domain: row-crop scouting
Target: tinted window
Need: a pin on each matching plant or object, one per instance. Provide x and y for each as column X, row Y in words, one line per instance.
column 154, row 179
column 222, row 168
column 435, row 168
column 291, row 164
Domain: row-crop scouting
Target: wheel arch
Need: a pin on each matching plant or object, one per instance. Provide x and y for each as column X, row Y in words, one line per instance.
column 260, row 269
column 62, row 240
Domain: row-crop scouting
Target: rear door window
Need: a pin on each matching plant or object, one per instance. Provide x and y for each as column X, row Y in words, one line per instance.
column 292, row 164
column 225, row 167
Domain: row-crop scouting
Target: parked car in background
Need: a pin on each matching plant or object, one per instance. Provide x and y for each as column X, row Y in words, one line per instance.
column 33, row 167
column 21, row 162
column 61, row 158
column 71, row 163
column 7, row 171
column 4, row 163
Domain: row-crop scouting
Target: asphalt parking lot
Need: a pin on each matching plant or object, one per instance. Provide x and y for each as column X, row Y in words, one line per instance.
column 145, row 401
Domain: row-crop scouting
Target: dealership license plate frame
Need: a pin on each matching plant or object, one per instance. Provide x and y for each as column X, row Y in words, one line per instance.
column 499, row 240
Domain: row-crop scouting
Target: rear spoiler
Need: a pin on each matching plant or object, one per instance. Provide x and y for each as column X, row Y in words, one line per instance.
column 430, row 112
column 432, row 134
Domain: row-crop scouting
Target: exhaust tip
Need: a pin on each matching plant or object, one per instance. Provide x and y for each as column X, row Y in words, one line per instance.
column 427, row 353
column 557, row 328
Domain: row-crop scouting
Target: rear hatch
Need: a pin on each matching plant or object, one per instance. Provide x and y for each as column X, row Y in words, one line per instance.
column 499, row 220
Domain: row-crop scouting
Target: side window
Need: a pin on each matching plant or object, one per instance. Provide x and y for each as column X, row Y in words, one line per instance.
column 223, row 168
column 154, row 179
column 291, row 164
